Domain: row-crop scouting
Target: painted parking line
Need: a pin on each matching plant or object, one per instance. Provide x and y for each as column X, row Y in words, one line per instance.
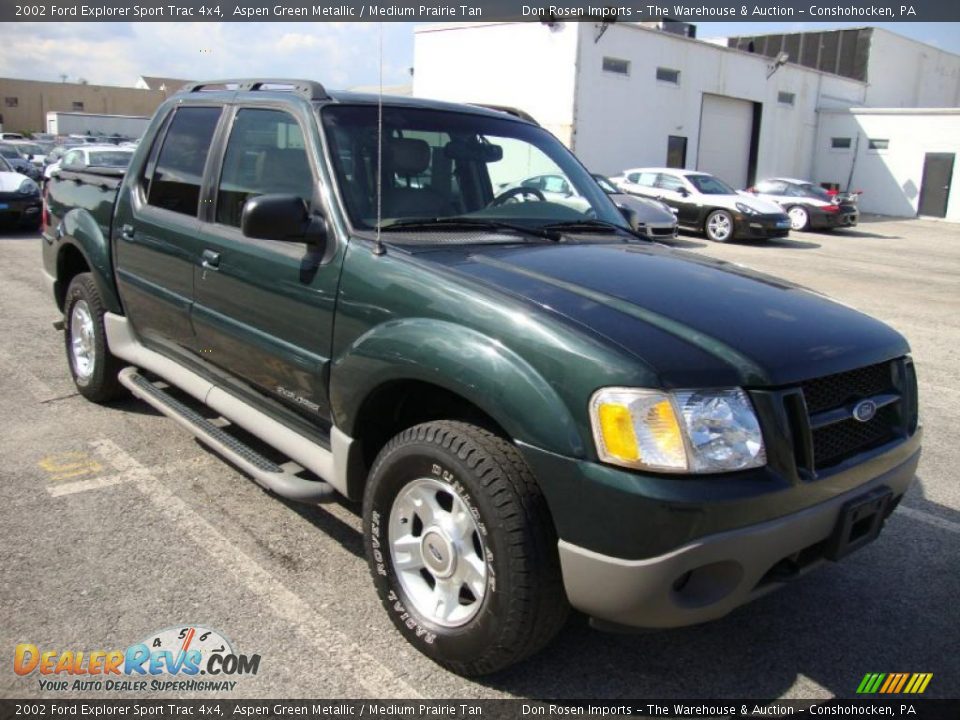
column 366, row 673
column 94, row 484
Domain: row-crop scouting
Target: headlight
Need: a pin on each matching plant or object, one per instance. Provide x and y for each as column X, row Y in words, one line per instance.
column 698, row 431
column 746, row 209
column 28, row 187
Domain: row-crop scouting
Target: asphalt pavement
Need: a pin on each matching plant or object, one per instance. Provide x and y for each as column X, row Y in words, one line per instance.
column 116, row 524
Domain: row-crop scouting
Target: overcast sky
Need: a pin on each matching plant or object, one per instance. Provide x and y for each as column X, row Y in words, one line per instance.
column 337, row 54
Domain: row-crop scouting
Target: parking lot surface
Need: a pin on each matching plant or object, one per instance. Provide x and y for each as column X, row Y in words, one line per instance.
column 116, row 524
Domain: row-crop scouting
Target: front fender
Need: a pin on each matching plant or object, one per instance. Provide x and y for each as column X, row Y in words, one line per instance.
column 79, row 229
column 474, row 366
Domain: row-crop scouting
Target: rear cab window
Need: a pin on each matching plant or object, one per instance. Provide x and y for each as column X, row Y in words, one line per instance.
column 172, row 182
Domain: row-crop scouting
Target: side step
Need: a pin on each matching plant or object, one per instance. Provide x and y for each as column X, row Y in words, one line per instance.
column 267, row 473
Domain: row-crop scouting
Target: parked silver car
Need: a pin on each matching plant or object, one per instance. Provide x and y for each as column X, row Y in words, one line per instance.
column 653, row 218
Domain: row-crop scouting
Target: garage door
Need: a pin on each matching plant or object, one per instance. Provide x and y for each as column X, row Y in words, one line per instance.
column 726, row 125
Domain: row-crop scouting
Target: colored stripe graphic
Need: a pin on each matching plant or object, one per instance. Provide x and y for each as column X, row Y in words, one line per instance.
column 893, row 683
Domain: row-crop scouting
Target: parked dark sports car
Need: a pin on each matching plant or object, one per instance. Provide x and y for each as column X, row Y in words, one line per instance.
column 19, row 198
column 809, row 206
column 19, row 162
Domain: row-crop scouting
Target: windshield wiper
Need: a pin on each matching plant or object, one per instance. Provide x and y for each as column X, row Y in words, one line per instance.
column 591, row 225
column 461, row 223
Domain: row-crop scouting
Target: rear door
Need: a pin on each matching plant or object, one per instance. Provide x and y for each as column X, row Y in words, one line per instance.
column 155, row 230
column 264, row 308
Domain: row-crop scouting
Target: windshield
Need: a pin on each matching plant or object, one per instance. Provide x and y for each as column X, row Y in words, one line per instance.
column 441, row 164
column 710, row 185
column 31, row 149
column 8, row 151
column 4, row 165
column 110, row 158
column 605, row 185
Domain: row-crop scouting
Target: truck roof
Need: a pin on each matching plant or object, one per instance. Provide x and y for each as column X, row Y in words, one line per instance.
column 316, row 93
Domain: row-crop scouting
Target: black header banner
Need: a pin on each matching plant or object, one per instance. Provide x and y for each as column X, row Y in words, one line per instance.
column 904, row 707
column 866, row 12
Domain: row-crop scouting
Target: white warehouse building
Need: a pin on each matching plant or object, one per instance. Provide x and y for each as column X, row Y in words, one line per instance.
column 628, row 95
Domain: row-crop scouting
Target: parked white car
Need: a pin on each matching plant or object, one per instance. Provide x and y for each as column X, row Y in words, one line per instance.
column 87, row 156
column 705, row 203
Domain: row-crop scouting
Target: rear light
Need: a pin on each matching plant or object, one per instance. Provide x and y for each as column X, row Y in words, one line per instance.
column 831, row 208
column 44, row 213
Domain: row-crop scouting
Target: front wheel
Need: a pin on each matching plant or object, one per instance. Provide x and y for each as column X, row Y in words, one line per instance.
column 462, row 548
column 719, row 226
column 93, row 367
column 799, row 218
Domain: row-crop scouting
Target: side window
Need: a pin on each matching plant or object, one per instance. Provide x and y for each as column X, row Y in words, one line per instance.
column 176, row 180
column 670, row 182
column 265, row 155
column 771, row 187
column 633, row 177
column 647, row 179
column 72, row 161
column 556, row 184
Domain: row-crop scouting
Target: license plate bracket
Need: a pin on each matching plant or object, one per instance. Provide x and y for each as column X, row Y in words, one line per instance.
column 860, row 521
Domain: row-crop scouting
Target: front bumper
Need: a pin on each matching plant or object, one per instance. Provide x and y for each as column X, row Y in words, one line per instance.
column 761, row 226
column 17, row 209
column 659, row 231
column 707, row 578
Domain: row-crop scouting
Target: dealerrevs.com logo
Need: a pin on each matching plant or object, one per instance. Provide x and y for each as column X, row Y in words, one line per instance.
column 195, row 657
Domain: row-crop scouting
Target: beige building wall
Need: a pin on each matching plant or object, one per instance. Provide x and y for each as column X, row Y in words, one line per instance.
column 24, row 103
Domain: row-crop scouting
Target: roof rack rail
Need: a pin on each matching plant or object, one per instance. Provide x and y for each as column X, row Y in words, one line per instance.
column 304, row 88
column 516, row 112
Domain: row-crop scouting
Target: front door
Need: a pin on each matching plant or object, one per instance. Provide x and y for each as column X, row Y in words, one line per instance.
column 263, row 309
column 935, row 186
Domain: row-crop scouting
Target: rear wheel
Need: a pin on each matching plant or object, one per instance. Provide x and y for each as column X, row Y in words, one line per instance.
column 93, row 367
column 462, row 548
column 719, row 226
column 799, row 218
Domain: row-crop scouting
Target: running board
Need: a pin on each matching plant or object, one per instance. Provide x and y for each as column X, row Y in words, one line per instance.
column 267, row 473
column 328, row 464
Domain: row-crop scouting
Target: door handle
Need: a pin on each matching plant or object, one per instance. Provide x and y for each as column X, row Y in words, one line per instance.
column 126, row 232
column 210, row 259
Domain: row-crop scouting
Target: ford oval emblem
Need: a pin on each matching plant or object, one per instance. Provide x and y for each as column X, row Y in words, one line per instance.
column 864, row 410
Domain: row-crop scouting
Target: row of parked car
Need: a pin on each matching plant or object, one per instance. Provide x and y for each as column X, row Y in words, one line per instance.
column 25, row 164
column 665, row 199
column 770, row 209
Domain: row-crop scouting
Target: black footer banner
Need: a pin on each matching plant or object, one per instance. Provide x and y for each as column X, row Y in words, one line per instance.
column 926, row 709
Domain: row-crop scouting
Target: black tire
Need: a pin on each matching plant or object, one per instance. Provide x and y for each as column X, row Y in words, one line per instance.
column 719, row 226
column 100, row 384
column 524, row 605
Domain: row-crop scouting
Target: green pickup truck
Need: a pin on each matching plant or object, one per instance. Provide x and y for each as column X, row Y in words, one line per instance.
column 539, row 407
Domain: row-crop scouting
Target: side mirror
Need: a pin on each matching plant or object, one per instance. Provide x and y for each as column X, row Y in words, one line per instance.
column 630, row 215
column 684, row 192
column 280, row 217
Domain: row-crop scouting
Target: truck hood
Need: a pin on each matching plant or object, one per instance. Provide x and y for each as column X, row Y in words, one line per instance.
column 693, row 320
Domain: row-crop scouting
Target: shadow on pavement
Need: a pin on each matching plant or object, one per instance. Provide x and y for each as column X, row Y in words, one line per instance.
column 883, row 609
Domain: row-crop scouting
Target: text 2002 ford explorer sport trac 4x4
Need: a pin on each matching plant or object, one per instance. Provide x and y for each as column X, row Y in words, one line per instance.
column 539, row 408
